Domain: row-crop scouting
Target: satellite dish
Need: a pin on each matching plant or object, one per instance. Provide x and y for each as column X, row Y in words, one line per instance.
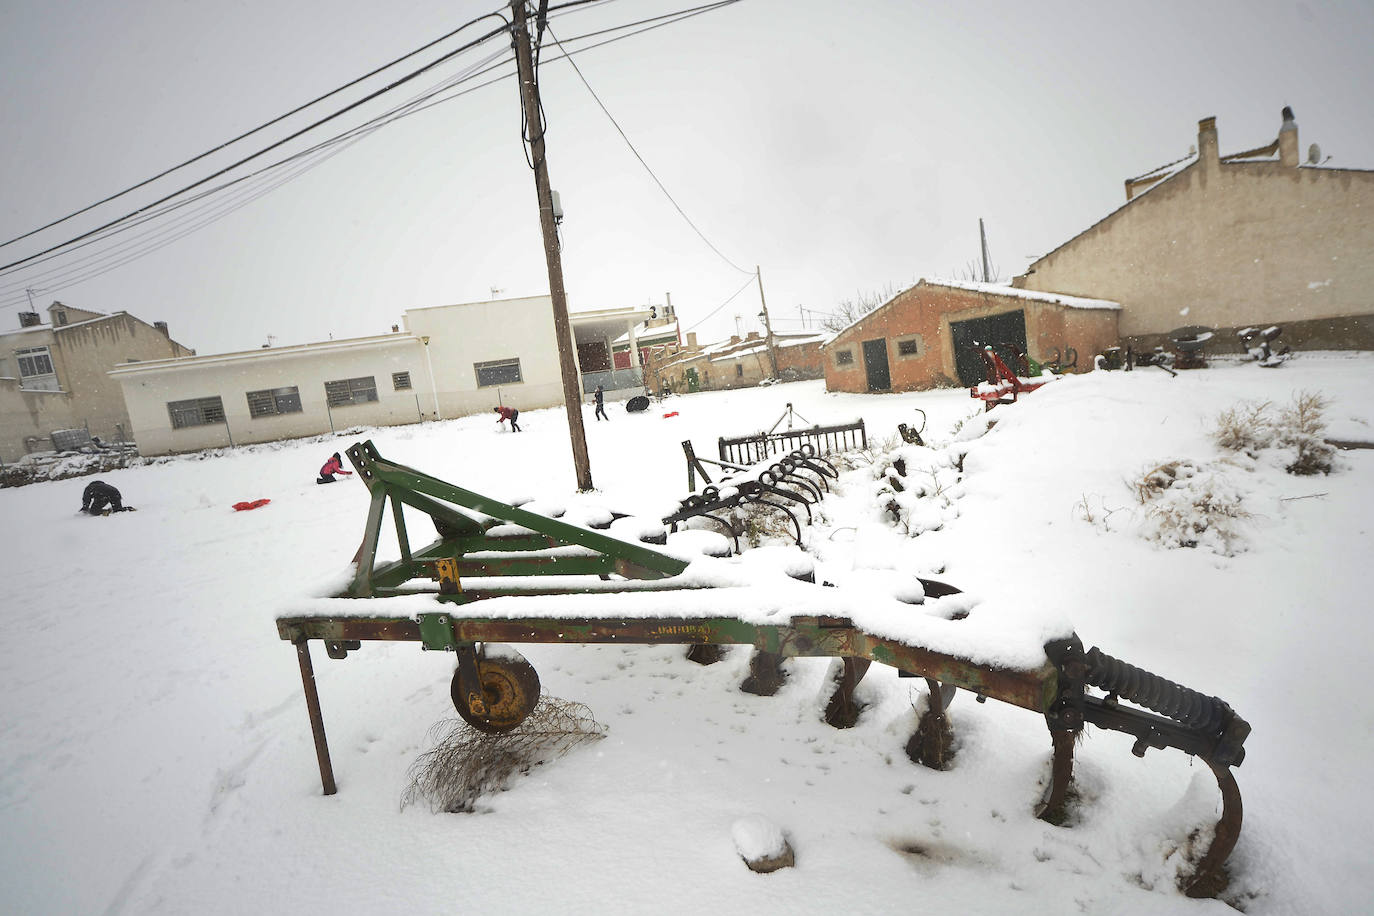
column 1314, row 154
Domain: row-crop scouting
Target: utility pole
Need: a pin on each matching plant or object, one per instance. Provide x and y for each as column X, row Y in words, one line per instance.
column 768, row 328
column 983, row 239
column 529, row 95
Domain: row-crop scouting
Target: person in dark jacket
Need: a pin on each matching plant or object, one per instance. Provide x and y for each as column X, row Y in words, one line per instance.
column 601, row 404
column 99, row 498
column 331, row 467
column 508, row 413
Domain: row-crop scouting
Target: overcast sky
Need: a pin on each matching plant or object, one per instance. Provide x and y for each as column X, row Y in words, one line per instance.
column 842, row 146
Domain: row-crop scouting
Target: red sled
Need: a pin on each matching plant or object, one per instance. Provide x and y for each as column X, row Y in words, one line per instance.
column 245, row 506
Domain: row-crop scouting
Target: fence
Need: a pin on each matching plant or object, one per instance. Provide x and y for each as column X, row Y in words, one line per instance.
column 826, row 439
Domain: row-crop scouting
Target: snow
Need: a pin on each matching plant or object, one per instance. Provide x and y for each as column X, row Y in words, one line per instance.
column 157, row 756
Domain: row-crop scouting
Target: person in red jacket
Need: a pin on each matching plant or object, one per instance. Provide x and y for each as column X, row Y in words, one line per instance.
column 331, row 467
column 508, row 413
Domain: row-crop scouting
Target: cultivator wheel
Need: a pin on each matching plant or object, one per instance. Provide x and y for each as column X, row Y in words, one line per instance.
column 494, row 694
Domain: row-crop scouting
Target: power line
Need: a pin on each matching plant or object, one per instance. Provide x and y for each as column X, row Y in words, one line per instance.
column 747, row 283
column 112, row 258
column 405, row 79
column 621, row 131
column 261, row 127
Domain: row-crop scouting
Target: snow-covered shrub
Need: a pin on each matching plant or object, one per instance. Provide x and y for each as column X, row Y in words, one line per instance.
column 1187, row 505
column 915, row 488
column 1293, row 433
column 1304, row 424
column 465, row 764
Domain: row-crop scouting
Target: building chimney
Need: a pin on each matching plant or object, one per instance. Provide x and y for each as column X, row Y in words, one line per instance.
column 692, row 339
column 29, row 319
column 162, row 326
column 1207, row 144
column 752, row 335
column 1288, row 140
column 734, row 339
column 667, row 305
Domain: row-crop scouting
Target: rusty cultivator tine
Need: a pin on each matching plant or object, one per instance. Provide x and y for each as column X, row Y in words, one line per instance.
column 1190, row 721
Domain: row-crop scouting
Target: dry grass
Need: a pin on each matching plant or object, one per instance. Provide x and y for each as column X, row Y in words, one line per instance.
column 466, row 764
column 1252, row 427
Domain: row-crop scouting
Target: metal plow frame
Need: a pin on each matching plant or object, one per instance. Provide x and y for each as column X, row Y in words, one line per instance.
column 1057, row 689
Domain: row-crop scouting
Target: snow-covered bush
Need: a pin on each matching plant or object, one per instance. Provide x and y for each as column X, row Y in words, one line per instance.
column 1190, row 505
column 915, row 487
column 1292, row 434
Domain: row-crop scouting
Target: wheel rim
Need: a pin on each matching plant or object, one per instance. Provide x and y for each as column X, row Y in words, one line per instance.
column 510, row 690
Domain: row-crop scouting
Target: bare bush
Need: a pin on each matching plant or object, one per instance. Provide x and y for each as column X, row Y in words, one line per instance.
column 1304, row 424
column 466, row 764
column 1253, row 427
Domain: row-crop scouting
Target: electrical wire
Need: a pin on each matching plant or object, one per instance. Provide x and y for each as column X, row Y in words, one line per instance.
column 110, row 259
column 722, row 305
column 623, row 136
column 243, row 136
column 313, row 156
column 405, row 79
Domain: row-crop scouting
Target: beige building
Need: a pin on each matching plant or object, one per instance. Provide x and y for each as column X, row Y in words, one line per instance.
column 448, row 361
column 53, row 376
column 737, row 363
column 1264, row 236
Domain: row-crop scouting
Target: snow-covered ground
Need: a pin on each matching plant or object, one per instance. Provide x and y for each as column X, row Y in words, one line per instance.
column 155, row 755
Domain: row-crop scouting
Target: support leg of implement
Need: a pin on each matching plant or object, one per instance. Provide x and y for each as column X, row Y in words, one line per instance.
column 312, row 705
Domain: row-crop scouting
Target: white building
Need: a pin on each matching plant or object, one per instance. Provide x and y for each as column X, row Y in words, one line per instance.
column 448, row 361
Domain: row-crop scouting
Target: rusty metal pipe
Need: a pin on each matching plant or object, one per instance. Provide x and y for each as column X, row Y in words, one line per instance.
column 312, row 705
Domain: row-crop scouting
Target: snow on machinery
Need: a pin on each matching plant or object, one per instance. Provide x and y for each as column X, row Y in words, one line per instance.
column 498, row 574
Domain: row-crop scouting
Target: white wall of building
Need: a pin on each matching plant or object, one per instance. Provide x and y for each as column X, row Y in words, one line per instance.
column 462, row 337
column 150, row 387
column 461, row 359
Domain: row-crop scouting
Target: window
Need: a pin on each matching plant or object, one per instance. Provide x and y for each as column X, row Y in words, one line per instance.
column 739, row 370
column 400, row 381
column 497, row 372
column 906, row 347
column 35, row 369
column 197, row 412
column 350, row 391
column 844, row 357
column 271, row 401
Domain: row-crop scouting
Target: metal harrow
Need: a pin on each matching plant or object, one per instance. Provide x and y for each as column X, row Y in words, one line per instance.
column 488, row 549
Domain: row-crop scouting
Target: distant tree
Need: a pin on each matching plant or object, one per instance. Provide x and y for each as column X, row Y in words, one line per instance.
column 848, row 311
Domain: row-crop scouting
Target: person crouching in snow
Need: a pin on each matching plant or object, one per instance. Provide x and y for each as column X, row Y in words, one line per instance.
column 331, row 467
column 508, row 413
column 99, row 498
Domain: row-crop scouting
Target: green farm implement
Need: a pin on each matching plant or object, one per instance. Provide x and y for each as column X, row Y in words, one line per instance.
column 498, row 574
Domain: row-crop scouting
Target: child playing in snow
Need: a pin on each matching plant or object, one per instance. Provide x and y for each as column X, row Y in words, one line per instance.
column 508, row 413
column 331, row 467
column 99, row 495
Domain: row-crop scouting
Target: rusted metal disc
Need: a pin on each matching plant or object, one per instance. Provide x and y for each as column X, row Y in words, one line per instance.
column 510, row 691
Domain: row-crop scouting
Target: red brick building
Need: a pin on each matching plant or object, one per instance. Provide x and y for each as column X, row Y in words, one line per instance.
column 930, row 335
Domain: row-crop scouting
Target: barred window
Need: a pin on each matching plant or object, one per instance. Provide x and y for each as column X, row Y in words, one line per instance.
column 739, row 370
column 35, row 369
column 844, row 357
column 400, row 381
column 350, row 391
column 906, row 347
column 272, row 401
column 497, row 372
column 196, row 412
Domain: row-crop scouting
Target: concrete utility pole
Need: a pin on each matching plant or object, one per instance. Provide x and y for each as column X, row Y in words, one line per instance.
column 983, row 240
column 767, row 328
column 529, row 95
